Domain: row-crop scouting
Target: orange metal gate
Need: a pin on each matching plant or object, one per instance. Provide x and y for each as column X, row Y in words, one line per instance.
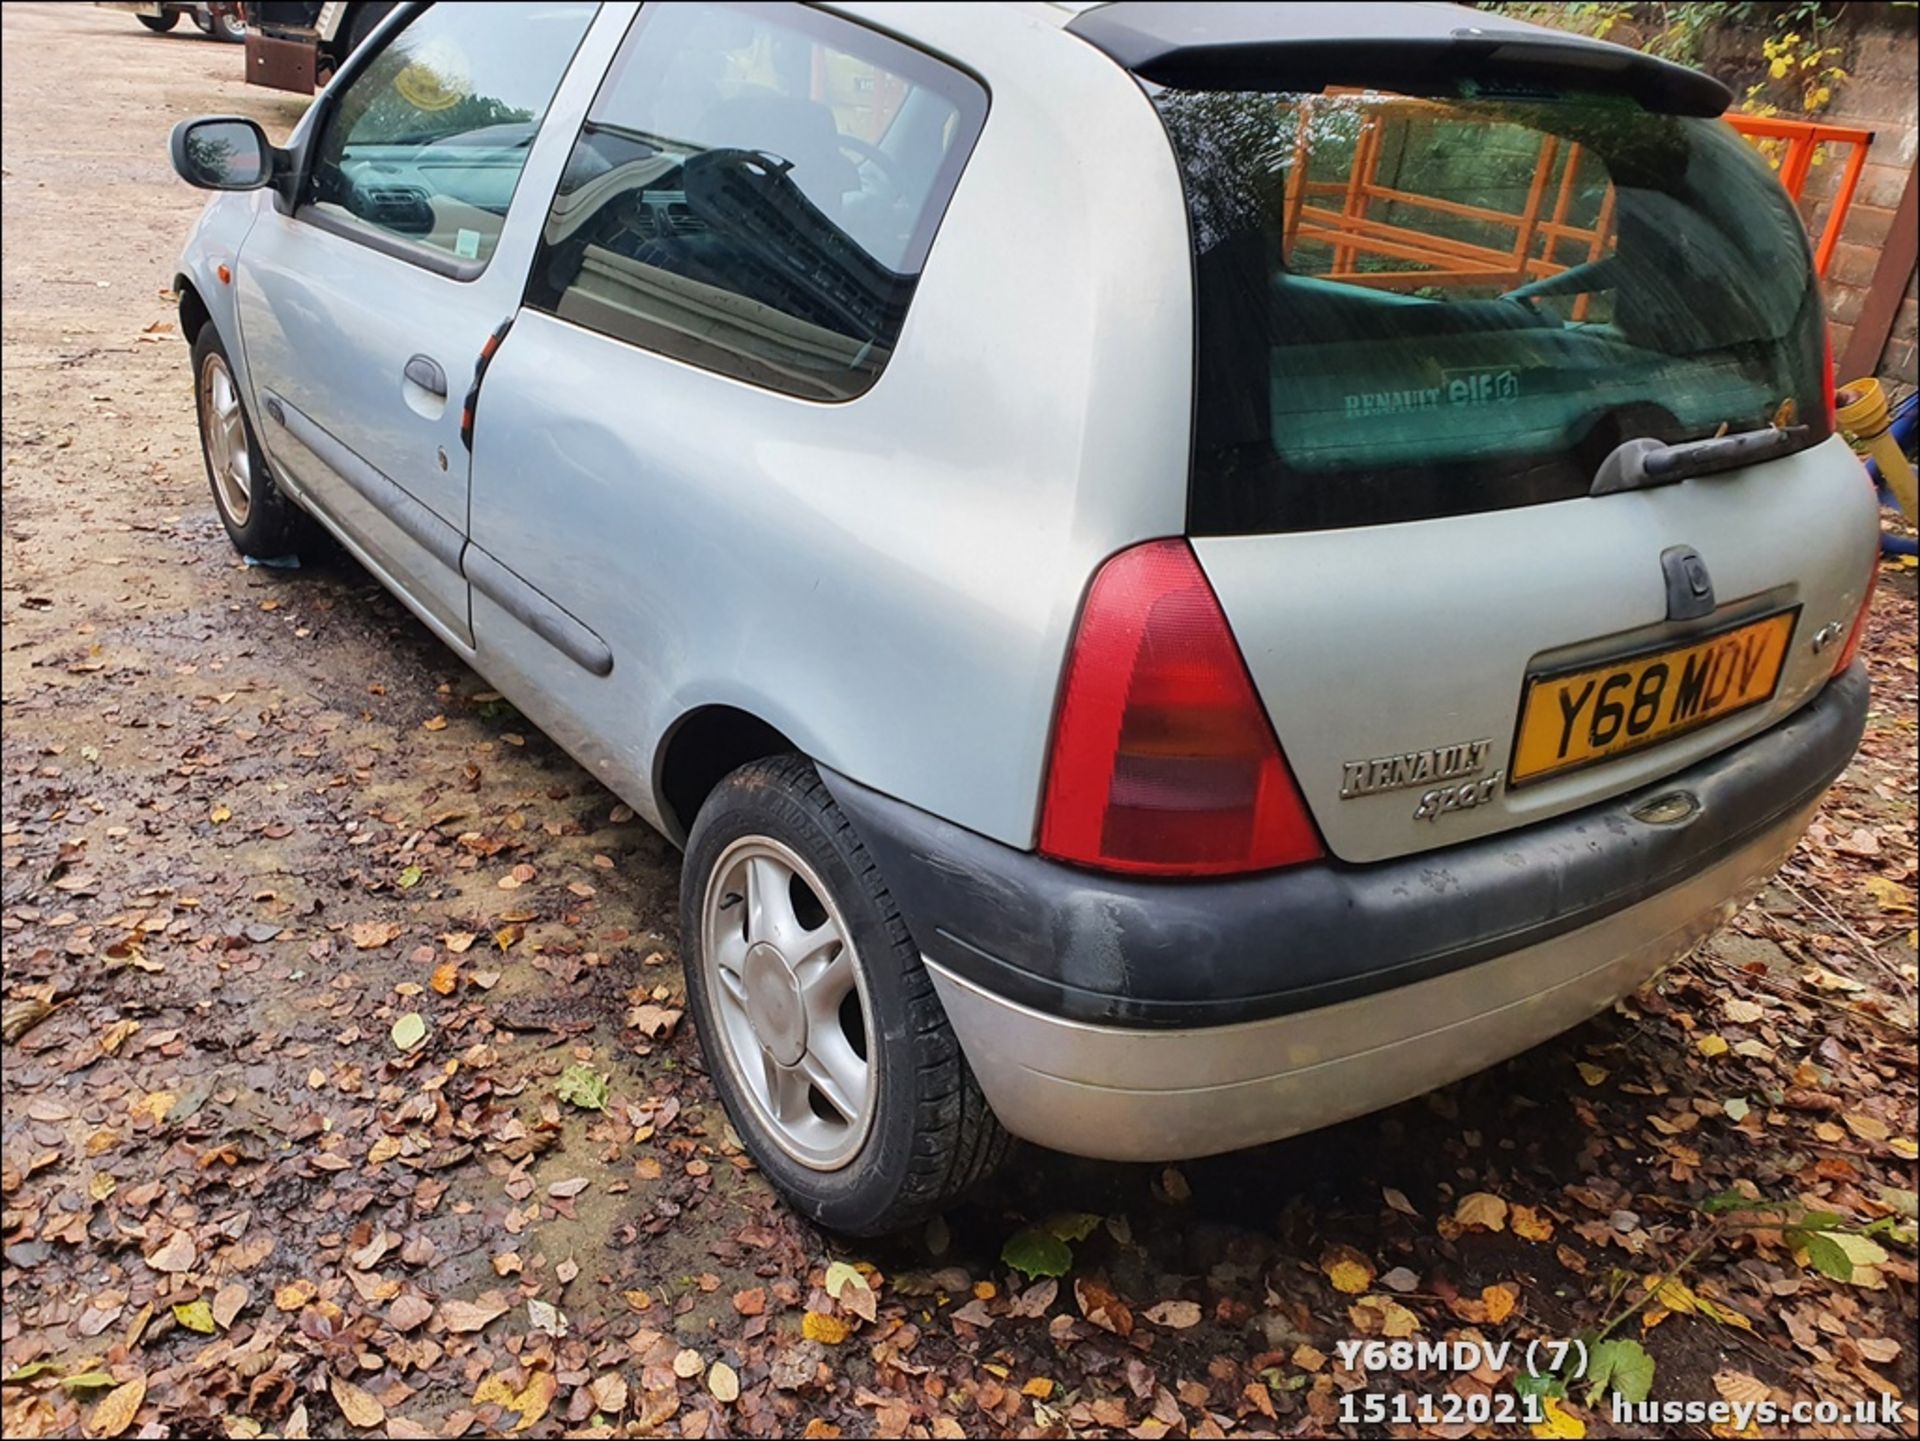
column 1335, row 212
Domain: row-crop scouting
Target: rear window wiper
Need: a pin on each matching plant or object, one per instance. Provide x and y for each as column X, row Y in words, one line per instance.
column 1644, row 462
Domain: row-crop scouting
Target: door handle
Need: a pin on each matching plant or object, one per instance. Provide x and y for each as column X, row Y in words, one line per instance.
column 425, row 372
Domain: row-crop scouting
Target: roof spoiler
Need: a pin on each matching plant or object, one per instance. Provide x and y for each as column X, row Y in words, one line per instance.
column 1212, row 45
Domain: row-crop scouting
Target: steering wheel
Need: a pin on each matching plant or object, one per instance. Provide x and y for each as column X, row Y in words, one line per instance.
column 873, row 155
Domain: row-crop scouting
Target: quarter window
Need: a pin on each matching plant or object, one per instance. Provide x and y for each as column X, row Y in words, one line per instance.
column 755, row 191
column 427, row 143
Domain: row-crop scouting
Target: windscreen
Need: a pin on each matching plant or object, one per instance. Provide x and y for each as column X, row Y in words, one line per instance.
column 1409, row 308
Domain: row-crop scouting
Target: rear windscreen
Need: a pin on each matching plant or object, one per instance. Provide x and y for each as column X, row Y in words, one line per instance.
column 1409, row 308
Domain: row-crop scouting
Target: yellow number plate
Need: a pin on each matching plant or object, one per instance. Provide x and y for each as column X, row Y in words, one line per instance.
column 1579, row 717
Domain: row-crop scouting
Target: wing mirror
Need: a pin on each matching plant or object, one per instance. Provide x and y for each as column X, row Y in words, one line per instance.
column 223, row 152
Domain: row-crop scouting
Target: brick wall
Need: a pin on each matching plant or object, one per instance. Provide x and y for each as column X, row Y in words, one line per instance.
column 1879, row 95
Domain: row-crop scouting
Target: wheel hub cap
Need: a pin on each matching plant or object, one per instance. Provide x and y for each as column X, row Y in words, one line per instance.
column 773, row 1004
column 223, row 429
column 790, row 1016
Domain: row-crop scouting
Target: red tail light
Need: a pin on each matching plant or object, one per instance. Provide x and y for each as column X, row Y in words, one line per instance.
column 1827, row 382
column 1163, row 760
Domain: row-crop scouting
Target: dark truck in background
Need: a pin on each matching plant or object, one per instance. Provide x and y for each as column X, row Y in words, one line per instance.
column 221, row 21
column 292, row 45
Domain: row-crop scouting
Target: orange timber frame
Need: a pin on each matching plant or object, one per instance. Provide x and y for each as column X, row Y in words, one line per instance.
column 1335, row 212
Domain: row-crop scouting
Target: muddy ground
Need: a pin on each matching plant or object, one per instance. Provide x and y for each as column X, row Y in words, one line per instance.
column 256, row 820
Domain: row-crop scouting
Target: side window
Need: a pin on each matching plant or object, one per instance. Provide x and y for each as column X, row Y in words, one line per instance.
column 428, row 141
column 755, row 191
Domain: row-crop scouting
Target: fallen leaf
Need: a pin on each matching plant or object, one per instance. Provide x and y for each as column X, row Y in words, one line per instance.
column 580, row 1085
column 653, row 1021
column 847, row 1286
column 409, row 1031
column 116, row 1409
column 1100, row 1305
column 1621, row 1366
column 1037, row 1252
column 1740, row 1389
column 1481, row 1211
column 1175, row 1315
column 474, row 1315
column 358, row 1406
column 1867, row 1128
column 408, row 1311
column 1499, row 1299
column 196, row 1316
column 1890, row 895
column 1349, row 1272
column 529, row 1401
column 1711, row 1045
column 1593, row 1075
column 1382, row 1314
column 723, row 1383
column 1558, row 1423
column 827, row 1330
column 371, row 935
column 174, row 1255
column 547, row 1318
column 228, row 1302
column 609, row 1393
column 1529, row 1224
column 294, row 1294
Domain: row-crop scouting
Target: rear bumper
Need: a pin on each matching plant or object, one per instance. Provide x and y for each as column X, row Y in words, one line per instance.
column 1154, row 1020
column 1122, row 1094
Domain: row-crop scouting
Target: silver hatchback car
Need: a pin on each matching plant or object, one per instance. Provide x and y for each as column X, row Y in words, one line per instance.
column 1181, row 572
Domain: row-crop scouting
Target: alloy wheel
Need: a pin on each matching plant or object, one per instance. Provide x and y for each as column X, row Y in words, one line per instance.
column 791, row 1001
column 223, row 430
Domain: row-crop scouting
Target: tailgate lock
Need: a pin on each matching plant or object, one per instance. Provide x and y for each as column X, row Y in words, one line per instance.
column 1689, row 586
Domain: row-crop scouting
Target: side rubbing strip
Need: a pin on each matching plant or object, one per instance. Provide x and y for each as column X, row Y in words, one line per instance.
column 537, row 613
column 435, row 536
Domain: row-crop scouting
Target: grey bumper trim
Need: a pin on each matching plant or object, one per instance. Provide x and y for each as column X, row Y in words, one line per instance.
column 1124, row 1094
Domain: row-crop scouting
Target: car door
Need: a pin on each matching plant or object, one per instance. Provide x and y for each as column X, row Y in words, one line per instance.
column 364, row 307
column 725, row 272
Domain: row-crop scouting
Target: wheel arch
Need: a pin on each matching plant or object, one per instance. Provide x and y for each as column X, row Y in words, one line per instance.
column 194, row 314
column 700, row 750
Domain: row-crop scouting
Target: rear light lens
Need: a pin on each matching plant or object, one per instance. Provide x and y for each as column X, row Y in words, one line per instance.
column 1164, row 762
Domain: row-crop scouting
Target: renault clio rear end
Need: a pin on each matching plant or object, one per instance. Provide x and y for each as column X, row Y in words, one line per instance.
column 1509, row 642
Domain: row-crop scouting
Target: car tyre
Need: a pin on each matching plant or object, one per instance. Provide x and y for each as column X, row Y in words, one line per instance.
column 229, row 25
column 160, row 24
column 260, row 520
column 760, row 950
